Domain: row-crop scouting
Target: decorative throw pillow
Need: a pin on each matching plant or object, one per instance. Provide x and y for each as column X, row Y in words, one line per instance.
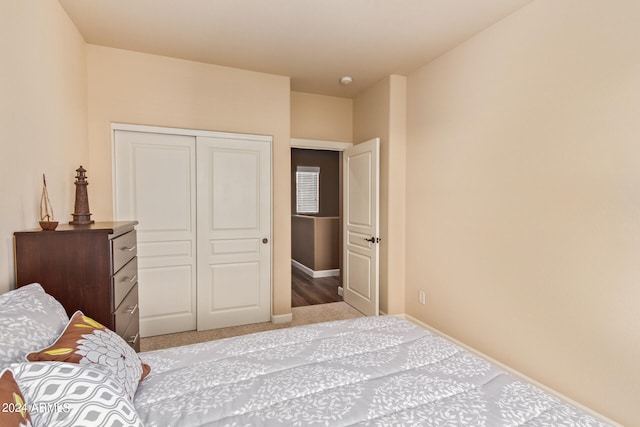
column 65, row 394
column 87, row 342
column 29, row 320
column 14, row 411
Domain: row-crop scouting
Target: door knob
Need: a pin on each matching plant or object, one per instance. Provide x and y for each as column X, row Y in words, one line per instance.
column 265, row 240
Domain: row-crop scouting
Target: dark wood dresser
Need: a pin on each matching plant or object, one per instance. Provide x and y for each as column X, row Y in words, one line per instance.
column 92, row 268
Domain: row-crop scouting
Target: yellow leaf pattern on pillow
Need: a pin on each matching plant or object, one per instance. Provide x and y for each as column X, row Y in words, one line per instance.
column 20, row 404
column 92, row 323
column 80, row 325
column 58, row 351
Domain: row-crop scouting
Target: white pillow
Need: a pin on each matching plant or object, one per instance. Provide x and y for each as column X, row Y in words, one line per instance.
column 67, row 394
column 30, row 319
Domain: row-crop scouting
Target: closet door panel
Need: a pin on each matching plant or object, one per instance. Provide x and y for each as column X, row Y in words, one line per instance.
column 234, row 224
column 155, row 177
column 235, row 196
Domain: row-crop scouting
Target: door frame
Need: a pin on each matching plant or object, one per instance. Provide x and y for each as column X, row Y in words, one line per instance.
column 316, row 144
column 115, row 126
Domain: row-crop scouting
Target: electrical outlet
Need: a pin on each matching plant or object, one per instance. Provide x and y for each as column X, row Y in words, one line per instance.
column 421, row 297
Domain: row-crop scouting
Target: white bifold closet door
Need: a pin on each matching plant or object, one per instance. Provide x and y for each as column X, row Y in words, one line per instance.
column 203, row 204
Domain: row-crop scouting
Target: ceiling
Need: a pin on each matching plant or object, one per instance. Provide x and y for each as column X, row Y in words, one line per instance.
column 314, row 42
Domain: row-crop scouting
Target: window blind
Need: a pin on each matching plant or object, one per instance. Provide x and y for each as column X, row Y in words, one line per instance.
column 308, row 189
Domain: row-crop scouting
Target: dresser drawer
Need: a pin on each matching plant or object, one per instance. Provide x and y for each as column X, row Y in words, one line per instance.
column 123, row 281
column 132, row 334
column 126, row 311
column 123, row 249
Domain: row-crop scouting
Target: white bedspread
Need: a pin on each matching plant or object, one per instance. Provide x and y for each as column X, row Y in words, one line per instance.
column 366, row 371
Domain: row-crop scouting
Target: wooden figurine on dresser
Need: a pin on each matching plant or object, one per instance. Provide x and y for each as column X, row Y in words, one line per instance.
column 85, row 265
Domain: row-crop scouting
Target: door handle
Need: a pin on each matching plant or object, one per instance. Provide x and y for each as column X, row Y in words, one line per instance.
column 373, row 239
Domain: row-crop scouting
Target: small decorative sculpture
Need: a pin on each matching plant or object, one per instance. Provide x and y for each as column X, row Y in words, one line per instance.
column 81, row 213
column 47, row 222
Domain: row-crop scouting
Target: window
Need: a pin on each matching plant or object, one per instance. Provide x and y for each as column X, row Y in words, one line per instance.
column 308, row 190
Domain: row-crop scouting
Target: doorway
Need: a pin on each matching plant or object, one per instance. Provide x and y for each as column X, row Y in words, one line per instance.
column 316, row 224
column 359, row 231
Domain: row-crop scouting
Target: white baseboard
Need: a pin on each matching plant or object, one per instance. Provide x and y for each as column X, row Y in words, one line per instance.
column 277, row 319
column 314, row 273
column 341, row 291
column 514, row 372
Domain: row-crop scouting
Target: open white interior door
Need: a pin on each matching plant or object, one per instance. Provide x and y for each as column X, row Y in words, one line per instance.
column 361, row 169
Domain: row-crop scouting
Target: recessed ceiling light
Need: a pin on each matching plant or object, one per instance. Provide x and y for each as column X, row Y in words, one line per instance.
column 346, row 80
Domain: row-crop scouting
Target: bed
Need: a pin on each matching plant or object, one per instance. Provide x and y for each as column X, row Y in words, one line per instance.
column 366, row 371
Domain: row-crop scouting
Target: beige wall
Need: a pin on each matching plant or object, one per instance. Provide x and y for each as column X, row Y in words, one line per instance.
column 315, row 242
column 522, row 172
column 302, row 240
column 131, row 87
column 523, row 197
column 380, row 111
column 43, row 117
column 327, row 118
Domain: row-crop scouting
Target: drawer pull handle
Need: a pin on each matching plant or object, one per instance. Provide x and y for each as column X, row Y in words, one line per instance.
column 132, row 309
column 132, row 340
column 131, row 279
column 129, row 248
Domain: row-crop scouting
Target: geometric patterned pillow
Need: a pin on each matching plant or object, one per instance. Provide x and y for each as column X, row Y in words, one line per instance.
column 14, row 411
column 88, row 343
column 67, row 394
column 29, row 320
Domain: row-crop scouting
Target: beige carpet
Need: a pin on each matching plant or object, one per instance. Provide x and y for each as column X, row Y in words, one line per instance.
column 301, row 316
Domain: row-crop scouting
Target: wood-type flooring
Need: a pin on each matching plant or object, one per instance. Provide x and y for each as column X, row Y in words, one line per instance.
column 306, row 290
